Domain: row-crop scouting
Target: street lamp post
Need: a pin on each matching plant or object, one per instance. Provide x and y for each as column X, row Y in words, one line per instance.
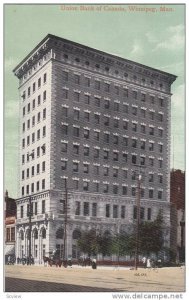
column 138, row 219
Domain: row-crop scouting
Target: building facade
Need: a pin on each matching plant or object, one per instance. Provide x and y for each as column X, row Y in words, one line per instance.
column 10, row 221
column 94, row 121
column 177, row 199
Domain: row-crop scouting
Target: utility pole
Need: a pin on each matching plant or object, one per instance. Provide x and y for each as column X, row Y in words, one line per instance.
column 138, row 219
column 65, row 221
column 30, row 215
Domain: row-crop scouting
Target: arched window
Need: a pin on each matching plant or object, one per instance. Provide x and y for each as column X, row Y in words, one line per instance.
column 35, row 234
column 76, row 234
column 59, row 233
column 22, row 235
column 43, row 233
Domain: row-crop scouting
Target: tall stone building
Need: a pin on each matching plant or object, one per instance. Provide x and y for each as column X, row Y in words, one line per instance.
column 93, row 119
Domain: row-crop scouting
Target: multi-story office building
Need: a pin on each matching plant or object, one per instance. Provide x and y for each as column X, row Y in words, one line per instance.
column 93, row 118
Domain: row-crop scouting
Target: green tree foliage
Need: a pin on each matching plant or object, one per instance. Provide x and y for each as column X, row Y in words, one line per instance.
column 151, row 236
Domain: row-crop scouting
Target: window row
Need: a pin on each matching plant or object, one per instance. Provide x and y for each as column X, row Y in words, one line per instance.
column 108, row 87
column 116, row 157
column 86, row 132
column 31, row 106
column 34, row 86
column 34, row 170
column 111, row 210
column 38, row 186
column 33, row 209
column 40, row 150
column 40, row 133
column 31, row 122
column 108, row 120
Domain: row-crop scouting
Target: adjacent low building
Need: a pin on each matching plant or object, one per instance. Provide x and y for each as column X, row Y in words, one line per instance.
column 92, row 121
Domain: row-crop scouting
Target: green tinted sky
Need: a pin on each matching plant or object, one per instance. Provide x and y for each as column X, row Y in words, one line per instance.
column 155, row 39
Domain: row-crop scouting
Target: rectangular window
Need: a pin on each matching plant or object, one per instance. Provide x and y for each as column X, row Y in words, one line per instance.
column 116, row 89
column 86, row 133
column 160, row 194
column 160, row 132
column 65, row 93
column 62, row 207
column 29, row 91
column 134, row 212
column 33, row 121
column 43, row 207
column 32, row 171
column 142, row 213
column 106, row 137
column 134, row 159
column 21, row 211
column 115, row 172
column 142, row 145
column 106, row 171
column 64, row 147
column 115, row 156
column 38, row 168
column 44, row 113
column 125, row 93
column 160, row 178
column 106, row 121
column 22, row 190
column 86, row 208
column 97, row 101
column 28, row 108
column 160, row 164
column 106, row 154
column 124, row 190
column 87, row 116
column 87, row 99
column 149, row 214
column 106, row 87
column 115, row 211
column 75, row 167
column 125, row 157
column 133, row 191
column 39, row 82
column 27, row 189
column 97, row 118
column 106, row 104
column 135, row 95
column 134, row 127
column 23, row 159
column 33, row 104
column 106, row 188
column 76, row 96
column 107, row 210
column 76, row 114
column 64, row 165
column 97, row 84
column 96, row 170
column 76, row 184
column 116, row 123
column 24, row 111
column 151, row 115
column 125, row 108
column 35, row 208
column 43, row 166
column 94, row 209
column 151, row 146
column 115, row 189
column 76, row 79
column 77, row 208
column 43, row 184
column 86, row 151
column 76, row 149
column 151, row 193
column 87, row 81
column 44, row 96
column 134, row 111
column 96, row 153
column 39, row 100
column 96, row 135
column 143, row 128
column 85, row 168
column 143, row 113
column 65, row 129
column 38, row 134
column 151, row 162
column 116, row 106
column 28, row 140
column 123, row 211
column 143, row 97
column 37, row 186
column 38, row 117
column 96, row 187
column 45, row 78
column 142, row 161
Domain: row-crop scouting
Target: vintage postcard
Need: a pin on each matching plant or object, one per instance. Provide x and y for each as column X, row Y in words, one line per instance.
column 94, row 150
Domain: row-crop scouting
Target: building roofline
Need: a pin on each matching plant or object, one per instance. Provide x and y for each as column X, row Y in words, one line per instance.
column 49, row 36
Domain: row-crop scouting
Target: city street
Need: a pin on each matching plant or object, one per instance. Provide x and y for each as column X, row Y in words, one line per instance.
column 103, row 279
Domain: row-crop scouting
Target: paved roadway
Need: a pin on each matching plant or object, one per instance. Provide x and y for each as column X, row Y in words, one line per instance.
column 52, row 279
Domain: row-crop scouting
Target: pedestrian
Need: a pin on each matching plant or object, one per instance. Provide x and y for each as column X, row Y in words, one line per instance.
column 94, row 265
column 144, row 260
column 70, row 261
column 148, row 264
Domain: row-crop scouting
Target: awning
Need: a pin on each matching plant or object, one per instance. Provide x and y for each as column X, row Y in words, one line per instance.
column 9, row 249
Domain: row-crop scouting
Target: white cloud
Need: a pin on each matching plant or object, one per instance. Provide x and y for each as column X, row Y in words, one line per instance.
column 137, row 49
column 178, row 98
column 173, row 38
